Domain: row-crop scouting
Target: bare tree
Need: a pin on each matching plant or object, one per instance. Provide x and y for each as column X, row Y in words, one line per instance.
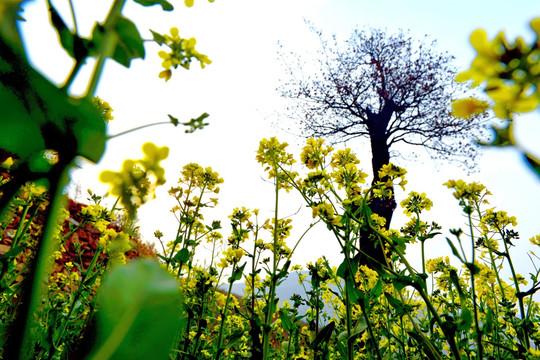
column 387, row 88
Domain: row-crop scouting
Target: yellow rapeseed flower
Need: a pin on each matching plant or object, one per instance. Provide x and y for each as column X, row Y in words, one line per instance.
column 466, row 108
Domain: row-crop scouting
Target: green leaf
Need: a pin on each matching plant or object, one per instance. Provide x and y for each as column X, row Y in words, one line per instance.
column 139, row 313
column 182, row 256
column 39, row 116
column 158, row 38
column 454, row 250
column 377, row 289
column 355, row 294
column 237, row 273
column 324, row 335
column 165, row 5
column 358, row 329
column 401, row 281
column 76, row 47
column 465, row 316
column 173, row 120
column 129, row 44
column 285, row 320
column 423, row 342
column 64, row 34
column 401, row 308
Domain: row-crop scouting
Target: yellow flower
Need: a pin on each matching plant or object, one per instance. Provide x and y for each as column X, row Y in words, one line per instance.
column 393, row 172
column 104, row 108
column 271, row 153
column 8, row 163
column 313, row 154
column 74, row 276
column 182, row 52
column 165, row 74
column 466, row 108
column 496, row 221
column 379, row 221
column 535, row 240
column 439, row 264
column 348, row 176
column 415, row 203
column 467, row 191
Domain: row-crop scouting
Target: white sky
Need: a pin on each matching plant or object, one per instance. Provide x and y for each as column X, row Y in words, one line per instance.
column 238, row 91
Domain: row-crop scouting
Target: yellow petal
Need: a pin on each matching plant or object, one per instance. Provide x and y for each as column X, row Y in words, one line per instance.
column 478, row 39
column 165, row 74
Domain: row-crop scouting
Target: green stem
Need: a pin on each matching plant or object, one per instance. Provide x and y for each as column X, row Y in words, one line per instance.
column 271, row 300
column 107, row 45
column 516, row 285
column 480, row 351
column 137, row 128
column 76, row 296
column 419, row 331
column 224, row 317
column 72, row 10
column 19, row 232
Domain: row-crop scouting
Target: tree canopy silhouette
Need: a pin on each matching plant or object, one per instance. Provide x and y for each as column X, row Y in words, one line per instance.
column 388, row 88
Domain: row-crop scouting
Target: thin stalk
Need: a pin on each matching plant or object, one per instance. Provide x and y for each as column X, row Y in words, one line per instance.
column 350, row 353
column 370, row 331
column 516, row 285
column 223, row 318
column 137, row 128
column 419, row 331
column 480, row 351
column 19, row 232
column 72, row 10
column 75, row 297
column 273, row 282
column 108, row 45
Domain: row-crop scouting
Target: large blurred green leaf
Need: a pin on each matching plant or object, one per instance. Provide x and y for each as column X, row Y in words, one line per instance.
column 36, row 115
column 139, row 315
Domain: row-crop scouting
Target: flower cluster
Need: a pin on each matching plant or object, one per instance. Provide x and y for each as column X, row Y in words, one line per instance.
column 104, row 109
column 415, row 203
column 327, row 212
column 467, row 193
column 391, row 173
column 314, row 153
column 136, row 182
column 496, row 221
column 510, row 71
column 182, row 52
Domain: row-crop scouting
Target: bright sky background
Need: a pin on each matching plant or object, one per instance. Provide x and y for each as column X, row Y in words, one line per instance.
column 238, row 91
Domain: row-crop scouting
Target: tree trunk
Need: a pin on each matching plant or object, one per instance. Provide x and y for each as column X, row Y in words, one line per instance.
column 369, row 244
